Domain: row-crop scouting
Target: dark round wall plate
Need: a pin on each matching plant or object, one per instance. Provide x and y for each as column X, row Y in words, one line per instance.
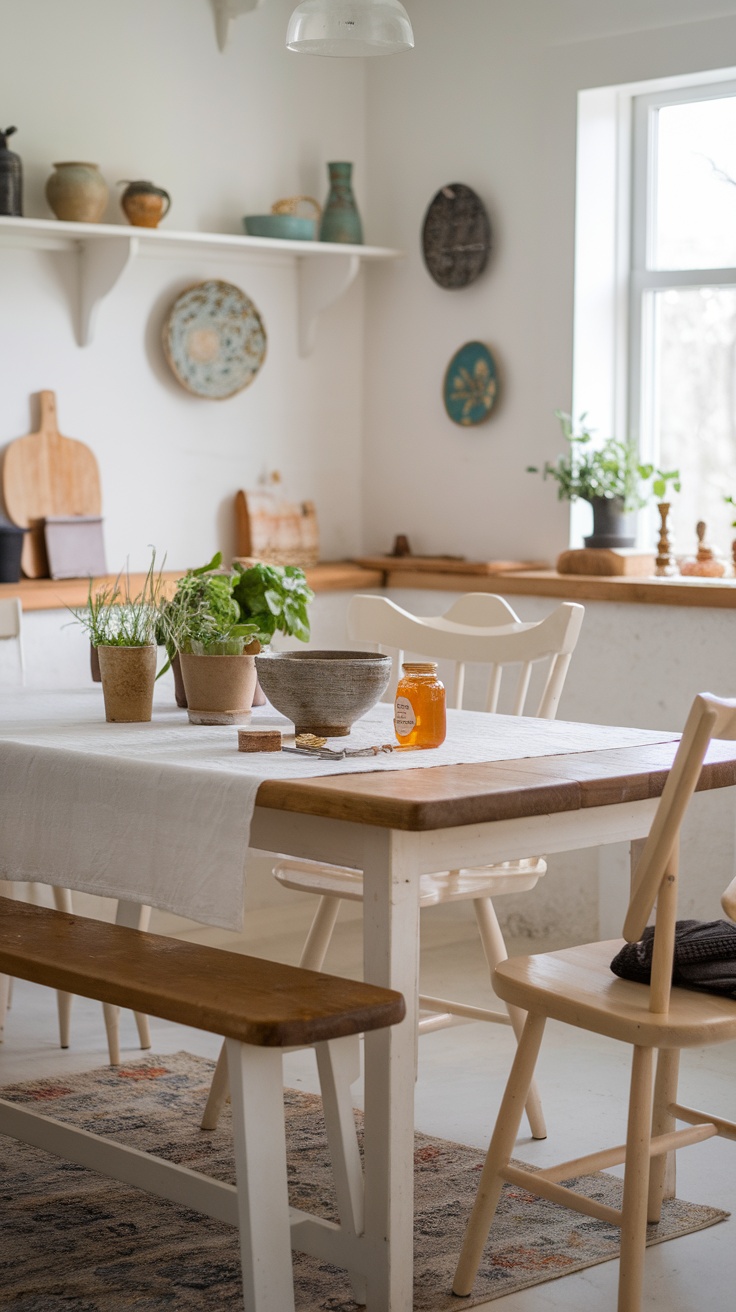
column 456, row 236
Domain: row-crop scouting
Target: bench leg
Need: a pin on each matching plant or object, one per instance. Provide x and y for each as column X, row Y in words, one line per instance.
column 5, row 983
column 256, row 1082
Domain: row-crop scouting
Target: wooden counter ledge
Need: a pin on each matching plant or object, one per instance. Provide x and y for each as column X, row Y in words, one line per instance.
column 717, row 593
column 55, row 594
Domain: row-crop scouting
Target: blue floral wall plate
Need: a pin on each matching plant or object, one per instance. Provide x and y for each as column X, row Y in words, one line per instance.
column 214, row 340
column 471, row 385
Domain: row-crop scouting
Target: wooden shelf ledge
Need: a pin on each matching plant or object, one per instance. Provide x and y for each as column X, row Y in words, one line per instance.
column 56, row 594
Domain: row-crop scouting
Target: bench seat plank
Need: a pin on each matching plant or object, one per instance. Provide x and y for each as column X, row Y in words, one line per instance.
column 262, row 1003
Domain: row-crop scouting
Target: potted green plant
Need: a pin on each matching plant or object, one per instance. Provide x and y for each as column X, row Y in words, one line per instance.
column 122, row 629
column 215, row 612
column 201, row 625
column 609, row 476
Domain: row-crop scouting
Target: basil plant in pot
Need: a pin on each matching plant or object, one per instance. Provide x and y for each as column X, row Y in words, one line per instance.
column 122, row 629
column 609, row 476
column 218, row 620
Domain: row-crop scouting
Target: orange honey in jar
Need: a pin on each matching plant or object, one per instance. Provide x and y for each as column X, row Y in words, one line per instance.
column 419, row 709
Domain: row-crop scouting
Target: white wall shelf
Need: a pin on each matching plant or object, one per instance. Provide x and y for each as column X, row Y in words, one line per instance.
column 324, row 270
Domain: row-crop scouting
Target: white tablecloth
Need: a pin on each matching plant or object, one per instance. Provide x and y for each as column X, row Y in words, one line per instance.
column 160, row 813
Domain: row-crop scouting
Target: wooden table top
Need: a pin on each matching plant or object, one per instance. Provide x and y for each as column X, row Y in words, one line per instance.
column 453, row 795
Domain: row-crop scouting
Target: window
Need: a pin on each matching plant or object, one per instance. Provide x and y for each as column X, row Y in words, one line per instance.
column 682, row 307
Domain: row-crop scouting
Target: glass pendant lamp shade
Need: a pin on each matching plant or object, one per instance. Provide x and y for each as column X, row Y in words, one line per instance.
column 349, row 27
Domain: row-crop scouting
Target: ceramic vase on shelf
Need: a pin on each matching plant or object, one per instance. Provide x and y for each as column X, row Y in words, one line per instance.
column 144, row 205
column 11, row 177
column 77, row 192
column 340, row 217
column 128, row 676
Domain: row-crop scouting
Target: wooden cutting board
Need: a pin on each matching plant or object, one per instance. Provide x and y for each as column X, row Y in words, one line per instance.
column 47, row 474
column 281, row 532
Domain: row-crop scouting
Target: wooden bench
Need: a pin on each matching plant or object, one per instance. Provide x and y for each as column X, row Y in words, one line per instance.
column 260, row 1008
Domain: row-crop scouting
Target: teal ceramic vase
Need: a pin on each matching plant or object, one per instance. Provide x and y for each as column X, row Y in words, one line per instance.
column 340, row 217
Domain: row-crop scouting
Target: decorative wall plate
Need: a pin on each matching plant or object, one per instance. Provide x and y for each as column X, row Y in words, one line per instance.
column 471, row 385
column 214, row 340
column 456, row 236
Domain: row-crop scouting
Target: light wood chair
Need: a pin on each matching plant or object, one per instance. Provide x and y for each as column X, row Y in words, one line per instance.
column 478, row 628
column 11, row 626
column 578, row 987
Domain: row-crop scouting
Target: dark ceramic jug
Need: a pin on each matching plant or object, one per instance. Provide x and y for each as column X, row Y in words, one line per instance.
column 11, row 177
column 144, row 204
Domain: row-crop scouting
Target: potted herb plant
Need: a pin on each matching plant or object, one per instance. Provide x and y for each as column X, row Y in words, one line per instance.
column 608, row 476
column 214, row 609
column 122, row 630
column 201, row 624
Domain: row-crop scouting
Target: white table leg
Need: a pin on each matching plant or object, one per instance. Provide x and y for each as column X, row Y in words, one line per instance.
column 391, row 935
column 256, row 1082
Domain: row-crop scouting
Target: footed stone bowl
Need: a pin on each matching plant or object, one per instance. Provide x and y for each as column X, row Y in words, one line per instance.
column 323, row 692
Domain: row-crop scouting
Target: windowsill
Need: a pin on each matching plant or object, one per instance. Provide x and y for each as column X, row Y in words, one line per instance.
column 717, row 593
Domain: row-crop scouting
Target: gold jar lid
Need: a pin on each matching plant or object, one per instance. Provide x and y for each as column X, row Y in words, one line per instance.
column 420, row 667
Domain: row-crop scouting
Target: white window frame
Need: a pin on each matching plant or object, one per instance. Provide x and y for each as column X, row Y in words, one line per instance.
column 613, row 237
column 644, row 278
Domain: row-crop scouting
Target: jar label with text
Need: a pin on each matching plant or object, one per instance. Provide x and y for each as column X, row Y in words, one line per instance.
column 404, row 718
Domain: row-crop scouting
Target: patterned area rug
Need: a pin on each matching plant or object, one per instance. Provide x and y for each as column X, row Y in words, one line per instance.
column 76, row 1241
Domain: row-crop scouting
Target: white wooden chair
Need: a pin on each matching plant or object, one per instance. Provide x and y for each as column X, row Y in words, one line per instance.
column 576, row 986
column 11, row 626
column 478, row 628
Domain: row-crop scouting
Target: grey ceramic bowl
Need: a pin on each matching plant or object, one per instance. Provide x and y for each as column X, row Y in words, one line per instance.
column 323, row 692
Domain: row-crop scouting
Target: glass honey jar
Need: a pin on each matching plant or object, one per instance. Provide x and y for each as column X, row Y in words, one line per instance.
column 419, row 709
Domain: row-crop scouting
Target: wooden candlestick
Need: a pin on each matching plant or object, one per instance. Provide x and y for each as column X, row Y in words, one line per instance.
column 664, row 564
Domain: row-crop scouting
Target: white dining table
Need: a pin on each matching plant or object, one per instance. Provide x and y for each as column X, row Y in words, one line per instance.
column 500, row 788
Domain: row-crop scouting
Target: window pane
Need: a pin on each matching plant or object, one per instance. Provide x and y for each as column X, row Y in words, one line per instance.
column 695, row 223
column 695, row 408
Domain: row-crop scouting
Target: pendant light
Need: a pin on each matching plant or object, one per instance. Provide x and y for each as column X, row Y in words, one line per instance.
column 349, row 27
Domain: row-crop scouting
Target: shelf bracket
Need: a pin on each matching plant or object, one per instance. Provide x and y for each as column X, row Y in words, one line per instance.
column 225, row 10
column 322, row 280
column 102, row 262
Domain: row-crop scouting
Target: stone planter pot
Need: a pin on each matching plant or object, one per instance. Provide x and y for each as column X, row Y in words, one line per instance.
column 219, row 689
column 128, row 676
column 610, row 522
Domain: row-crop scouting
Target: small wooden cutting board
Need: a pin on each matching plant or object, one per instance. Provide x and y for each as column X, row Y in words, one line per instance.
column 47, row 474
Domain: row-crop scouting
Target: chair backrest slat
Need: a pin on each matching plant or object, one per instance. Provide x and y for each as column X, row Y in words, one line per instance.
column 655, row 877
column 478, row 628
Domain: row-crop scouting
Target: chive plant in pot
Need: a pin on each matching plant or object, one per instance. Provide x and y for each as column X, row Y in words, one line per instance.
column 608, row 476
column 122, row 631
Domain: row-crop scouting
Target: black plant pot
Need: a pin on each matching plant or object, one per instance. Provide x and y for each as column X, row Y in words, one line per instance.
column 609, row 524
column 11, row 545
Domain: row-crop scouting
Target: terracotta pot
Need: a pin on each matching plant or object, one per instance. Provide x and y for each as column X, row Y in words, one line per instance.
column 179, row 690
column 77, row 192
column 145, row 205
column 128, row 676
column 219, row 688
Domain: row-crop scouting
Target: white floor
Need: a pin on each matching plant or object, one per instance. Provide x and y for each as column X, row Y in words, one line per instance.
column 462, row 1071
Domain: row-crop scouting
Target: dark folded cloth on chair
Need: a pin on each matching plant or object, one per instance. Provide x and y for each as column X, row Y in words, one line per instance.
column 705, row 957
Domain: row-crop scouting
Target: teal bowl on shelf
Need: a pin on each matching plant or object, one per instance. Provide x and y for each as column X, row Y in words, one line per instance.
column 292, row 227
